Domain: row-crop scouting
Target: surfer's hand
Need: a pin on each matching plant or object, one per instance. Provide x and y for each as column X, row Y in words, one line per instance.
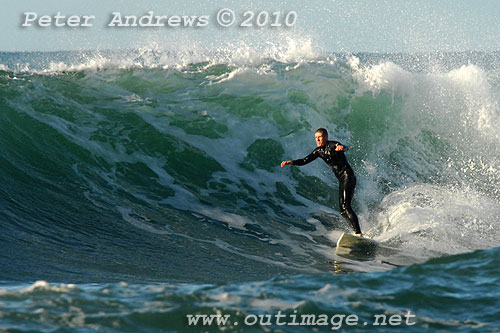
column 339, row 148
column 285, row 163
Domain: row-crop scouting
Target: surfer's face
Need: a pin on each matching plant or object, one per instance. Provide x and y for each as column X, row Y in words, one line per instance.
column 320, row 139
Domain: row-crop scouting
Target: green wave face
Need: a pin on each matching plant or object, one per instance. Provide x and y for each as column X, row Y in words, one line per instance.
column 158, row 171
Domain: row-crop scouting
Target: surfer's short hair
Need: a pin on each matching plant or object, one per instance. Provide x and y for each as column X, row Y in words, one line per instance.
column 323, row 131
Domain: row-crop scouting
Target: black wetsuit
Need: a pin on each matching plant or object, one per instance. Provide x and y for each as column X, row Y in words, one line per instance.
column 343, row 171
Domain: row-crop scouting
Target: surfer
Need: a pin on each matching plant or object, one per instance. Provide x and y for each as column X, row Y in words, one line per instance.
column 332, row 152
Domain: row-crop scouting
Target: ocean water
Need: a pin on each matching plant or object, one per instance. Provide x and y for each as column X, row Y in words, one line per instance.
column 142, row 188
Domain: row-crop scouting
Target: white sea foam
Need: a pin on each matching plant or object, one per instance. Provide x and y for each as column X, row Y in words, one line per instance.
column 446, row 220
column 40, row 286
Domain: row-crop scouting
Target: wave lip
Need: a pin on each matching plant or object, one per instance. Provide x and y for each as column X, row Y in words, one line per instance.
column 281, row 47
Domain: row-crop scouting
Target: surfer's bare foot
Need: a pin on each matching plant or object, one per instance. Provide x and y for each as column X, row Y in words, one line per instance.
column 360, row 235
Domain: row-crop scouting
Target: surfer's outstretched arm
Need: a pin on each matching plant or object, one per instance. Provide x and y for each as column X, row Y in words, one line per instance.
column 302, row 161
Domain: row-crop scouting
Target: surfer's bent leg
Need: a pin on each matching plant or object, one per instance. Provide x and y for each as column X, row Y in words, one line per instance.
column 346, row 192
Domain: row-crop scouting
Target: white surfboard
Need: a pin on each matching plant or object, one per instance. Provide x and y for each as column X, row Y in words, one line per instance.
column 350, row 241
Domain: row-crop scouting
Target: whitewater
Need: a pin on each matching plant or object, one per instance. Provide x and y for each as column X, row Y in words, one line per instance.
column 139, row 186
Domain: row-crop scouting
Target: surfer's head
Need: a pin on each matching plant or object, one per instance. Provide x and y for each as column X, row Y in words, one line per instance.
column 321, row 136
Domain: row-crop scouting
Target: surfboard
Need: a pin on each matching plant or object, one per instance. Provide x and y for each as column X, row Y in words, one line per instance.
column 351, row 241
